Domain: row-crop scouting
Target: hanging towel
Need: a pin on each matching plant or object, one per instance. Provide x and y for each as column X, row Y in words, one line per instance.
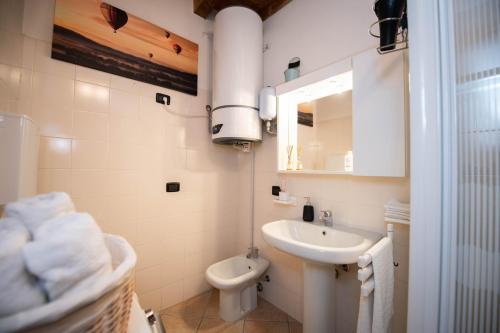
column 34, row 211
column 383, row 274
column 364, row 260
column 68, row 254
column 19, row 290
column 365, row 273
column 365, row 316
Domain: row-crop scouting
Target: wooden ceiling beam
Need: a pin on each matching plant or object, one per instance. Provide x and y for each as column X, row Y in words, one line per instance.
column 272, row 7
column 202, row 7
column 265, row 8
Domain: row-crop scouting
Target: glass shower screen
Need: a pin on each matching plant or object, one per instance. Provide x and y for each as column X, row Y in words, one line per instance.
column 470, row 287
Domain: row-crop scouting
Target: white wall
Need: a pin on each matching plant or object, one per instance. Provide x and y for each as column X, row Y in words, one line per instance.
column 112, row 148
column 320, row 32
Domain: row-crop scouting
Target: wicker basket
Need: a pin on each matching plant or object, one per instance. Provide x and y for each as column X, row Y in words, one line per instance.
column 104, row 309
column 110, row 313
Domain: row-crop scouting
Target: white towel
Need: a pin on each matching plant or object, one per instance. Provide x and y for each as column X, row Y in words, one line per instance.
column 365, row 315
column 18, row 289
column 364, row 260
column 392, row 209
column 397, row 216
column 400, row 221
column 383, row 274
column 397, row 206
column 68, row 254
column 34, row 211
column 137, row 322
column 364, row 273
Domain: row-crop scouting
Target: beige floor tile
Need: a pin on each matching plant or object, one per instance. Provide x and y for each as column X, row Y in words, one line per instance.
column 213, row 305
column 267, row 312
column 201, row 314
column 175, row 324
column 216, row 325
column 196, row 306
column 192, row 308
column 265, row 327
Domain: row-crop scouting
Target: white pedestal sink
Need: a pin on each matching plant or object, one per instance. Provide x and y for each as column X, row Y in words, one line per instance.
column 321, row 248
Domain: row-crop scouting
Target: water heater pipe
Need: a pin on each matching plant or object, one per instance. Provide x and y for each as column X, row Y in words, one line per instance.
column 252, row 201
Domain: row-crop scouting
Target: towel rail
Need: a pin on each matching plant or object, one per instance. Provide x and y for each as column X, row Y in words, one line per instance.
column 365, row 259
column 366, row 270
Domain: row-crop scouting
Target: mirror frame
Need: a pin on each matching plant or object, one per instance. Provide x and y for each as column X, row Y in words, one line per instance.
column 284, row 116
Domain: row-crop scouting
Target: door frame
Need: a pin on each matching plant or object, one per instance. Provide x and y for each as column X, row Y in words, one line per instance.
column 426, row 120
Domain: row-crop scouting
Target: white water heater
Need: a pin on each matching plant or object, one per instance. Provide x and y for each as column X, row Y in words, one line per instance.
column 237, row 76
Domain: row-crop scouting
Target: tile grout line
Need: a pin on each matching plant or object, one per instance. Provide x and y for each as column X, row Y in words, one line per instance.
column 204, row 312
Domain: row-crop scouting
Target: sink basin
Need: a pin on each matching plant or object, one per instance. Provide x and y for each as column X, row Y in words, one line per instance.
column 329, row 245
column 321, row 247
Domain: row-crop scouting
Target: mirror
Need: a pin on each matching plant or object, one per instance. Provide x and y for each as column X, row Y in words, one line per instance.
column 315, row 124
column 324, row 133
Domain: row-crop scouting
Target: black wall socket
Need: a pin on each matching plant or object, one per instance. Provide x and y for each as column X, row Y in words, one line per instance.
column 276, row 190
column 160, row 98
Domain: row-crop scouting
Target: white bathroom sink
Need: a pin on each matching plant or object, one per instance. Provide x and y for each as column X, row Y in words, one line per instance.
column 327, row 245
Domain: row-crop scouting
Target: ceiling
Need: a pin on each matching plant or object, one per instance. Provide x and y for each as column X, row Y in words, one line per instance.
column 265, row 8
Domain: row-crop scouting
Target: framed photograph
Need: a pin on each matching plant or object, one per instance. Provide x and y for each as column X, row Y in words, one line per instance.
column 97, row 35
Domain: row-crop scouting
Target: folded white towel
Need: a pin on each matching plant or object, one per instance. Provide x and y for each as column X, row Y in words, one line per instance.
column 397, row 206
column 33, row 211
column 18, row 289
column 68, row 254
column 397, row 216
column 400, row 221
column 383, row 274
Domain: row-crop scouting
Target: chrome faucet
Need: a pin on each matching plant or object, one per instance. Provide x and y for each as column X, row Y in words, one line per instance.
column 326, row 217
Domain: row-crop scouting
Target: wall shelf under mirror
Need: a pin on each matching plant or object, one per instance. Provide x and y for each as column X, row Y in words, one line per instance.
column 314, row 172
column 348, row 118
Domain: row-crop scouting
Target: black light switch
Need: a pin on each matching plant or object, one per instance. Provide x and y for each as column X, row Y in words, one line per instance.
column 173, row 187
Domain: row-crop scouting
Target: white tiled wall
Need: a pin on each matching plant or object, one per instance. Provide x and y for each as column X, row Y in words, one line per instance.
column 356, row 201
column 105, row 141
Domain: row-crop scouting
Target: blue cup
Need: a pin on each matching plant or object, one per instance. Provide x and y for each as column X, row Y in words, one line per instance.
column 291, row 73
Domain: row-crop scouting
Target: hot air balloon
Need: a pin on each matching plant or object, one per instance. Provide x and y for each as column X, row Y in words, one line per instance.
column 177, row 48
column 115, row 17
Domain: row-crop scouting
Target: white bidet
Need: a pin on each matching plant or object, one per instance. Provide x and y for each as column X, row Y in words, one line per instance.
column 236, row 278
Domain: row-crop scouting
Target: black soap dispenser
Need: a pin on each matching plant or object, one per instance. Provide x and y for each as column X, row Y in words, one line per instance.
column 308, row 213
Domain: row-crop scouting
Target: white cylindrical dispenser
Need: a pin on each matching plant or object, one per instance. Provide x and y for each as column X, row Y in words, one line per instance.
column 267, row 101
column 237, row 76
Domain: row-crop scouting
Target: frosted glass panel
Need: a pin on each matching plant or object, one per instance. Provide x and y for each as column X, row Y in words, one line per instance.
column 473, row 287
